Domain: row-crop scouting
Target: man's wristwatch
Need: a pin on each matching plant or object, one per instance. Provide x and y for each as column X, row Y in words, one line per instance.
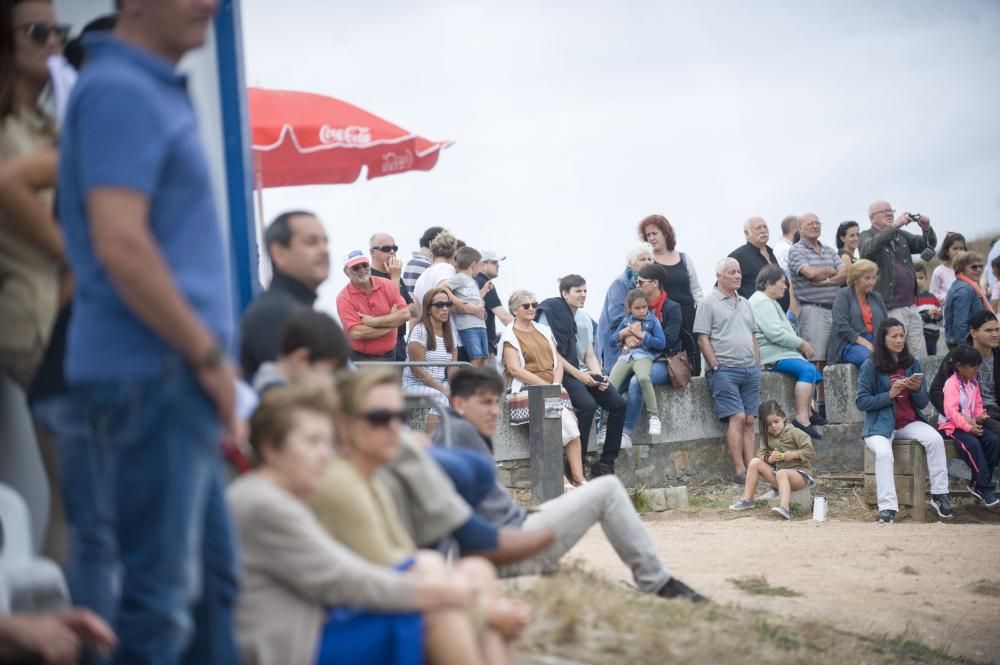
column 715, row 367
column 211, row 359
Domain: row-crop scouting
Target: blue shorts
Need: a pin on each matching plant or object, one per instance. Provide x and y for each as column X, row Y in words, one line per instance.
column 799, row 369
column 475, row 343
column 735, row 390
column 361, row 636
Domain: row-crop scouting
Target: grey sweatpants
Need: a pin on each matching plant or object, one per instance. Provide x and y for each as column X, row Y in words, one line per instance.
column 603, row 500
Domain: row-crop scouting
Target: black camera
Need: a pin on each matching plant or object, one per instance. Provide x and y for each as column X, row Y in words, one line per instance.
column 914, row 217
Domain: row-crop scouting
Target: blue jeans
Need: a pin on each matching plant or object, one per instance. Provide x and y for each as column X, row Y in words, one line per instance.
column 659, row 376
column 149, row 533
column 855, row 353
column 475, row 343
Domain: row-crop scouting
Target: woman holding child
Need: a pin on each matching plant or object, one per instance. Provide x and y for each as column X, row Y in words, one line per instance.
column 652, row 281
column 613, row 310
column 892, row 392
column 527, row 356
column 781, row 350
column 306, row 599
column 784, row 460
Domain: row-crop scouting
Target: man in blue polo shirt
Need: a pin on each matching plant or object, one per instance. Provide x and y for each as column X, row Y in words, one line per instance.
column 146, row 356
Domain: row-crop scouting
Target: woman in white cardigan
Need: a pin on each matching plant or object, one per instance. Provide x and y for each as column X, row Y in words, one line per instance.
column 302, row 591
column 527, row 356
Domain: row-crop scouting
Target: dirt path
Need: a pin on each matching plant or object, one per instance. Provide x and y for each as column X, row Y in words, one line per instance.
column 936, row 583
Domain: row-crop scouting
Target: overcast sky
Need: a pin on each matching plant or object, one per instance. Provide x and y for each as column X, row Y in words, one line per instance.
column 573, row 120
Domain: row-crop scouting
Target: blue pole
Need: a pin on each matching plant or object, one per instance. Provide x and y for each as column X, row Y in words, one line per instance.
column 239, row 172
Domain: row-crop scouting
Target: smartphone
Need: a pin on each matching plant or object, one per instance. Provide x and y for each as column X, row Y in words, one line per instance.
column 600, row 378
column 918, row 375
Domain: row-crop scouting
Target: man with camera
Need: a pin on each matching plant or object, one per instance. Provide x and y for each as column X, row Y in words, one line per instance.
column 889, row 246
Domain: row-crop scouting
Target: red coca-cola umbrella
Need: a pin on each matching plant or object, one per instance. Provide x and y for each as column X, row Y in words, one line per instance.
column 299, row 138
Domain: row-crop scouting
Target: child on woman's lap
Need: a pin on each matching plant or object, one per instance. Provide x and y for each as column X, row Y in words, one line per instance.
column 640, row 337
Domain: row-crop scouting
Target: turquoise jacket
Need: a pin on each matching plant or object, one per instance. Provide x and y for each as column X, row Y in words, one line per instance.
column 775, row 336
column 873, row 398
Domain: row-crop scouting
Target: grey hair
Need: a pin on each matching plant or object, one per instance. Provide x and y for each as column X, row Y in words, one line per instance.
column 636, row 250
column 720, row 267
column 515, row 298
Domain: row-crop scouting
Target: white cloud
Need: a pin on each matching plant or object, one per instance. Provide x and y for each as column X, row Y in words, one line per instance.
column 573, row 120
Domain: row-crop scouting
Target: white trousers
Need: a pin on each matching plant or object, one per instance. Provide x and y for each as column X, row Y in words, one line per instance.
column 914, row 327
column 937, row 463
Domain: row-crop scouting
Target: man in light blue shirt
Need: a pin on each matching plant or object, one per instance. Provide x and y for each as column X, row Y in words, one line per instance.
column 146, row 359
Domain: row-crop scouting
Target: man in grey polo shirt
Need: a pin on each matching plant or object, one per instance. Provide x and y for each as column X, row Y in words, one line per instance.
column 725, row 328
column 817, row 274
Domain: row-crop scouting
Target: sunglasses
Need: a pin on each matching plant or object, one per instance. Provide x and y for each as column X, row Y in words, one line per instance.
column 976, row 266
column 358, row 267
column 529, row 305
column 40, row 32
column 384, row 417
column 385, row 249
column 441, row 304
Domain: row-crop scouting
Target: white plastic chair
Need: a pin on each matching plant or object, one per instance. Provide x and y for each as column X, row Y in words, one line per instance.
column 27, row 583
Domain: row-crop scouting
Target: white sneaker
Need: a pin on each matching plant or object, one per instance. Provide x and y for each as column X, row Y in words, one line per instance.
column 626, row 441
column 654, row 426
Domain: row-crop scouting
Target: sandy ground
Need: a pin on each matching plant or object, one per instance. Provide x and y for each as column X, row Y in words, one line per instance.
column 938, row 583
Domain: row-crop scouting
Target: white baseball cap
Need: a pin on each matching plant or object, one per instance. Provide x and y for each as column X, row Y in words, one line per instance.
column 491, row 255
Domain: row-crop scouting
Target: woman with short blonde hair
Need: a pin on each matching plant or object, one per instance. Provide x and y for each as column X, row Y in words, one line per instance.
column 858, row 309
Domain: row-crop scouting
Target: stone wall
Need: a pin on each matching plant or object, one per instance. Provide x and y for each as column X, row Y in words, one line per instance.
column 692, row 444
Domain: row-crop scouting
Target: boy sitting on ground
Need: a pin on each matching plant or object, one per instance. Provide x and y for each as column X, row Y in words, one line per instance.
column 475, row 401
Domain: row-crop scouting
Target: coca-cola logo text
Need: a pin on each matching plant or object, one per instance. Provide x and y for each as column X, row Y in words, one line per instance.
column 354, row 134
column 394, row 162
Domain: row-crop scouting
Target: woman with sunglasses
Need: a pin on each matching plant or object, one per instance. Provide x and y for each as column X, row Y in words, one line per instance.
column 431, row 340
column 306, row 599
column 358, row 511
column 964, row 298
column 527, row 356
column 31, row 258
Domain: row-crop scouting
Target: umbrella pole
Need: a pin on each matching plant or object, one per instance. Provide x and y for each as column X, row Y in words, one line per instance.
column 265, row 264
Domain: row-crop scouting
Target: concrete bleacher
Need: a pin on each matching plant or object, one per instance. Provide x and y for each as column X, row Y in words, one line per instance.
column 692, row 444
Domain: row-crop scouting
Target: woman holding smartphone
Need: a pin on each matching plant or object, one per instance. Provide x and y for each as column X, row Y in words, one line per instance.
column 892, row 392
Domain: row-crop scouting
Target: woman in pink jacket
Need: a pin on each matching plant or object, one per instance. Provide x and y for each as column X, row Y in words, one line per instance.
column 962, row 420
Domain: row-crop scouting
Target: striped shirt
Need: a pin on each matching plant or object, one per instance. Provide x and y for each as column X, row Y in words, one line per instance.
column 414, row 268
column 802, row 254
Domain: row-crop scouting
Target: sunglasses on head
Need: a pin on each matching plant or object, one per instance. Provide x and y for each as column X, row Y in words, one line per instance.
column 384, row 417
column 385, row 249
column 440, row 304
column 529, row 305
column 358, row 267
column 40, row 32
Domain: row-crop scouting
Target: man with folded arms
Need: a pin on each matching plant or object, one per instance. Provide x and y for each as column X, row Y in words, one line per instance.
column 371, row 309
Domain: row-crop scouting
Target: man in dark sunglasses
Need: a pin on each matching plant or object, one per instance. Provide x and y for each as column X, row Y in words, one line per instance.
column 386, row 264
column 371, row 310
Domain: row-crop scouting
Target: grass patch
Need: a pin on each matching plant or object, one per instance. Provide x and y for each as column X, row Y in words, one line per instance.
column 640, row 499
column 757, row 585
column 585, row 619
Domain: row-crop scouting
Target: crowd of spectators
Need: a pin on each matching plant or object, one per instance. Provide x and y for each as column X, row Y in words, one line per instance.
column 115, row 370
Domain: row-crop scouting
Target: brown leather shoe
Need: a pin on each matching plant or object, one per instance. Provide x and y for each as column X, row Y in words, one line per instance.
column 516, row 544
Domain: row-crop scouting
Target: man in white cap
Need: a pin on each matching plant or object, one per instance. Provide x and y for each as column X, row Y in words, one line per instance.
column 370, row 310
column 489, row 268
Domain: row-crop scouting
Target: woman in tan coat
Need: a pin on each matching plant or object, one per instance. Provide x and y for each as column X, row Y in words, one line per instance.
column 302, row 590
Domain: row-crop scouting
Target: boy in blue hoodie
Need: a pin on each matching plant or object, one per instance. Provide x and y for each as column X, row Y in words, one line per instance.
column 640, row 337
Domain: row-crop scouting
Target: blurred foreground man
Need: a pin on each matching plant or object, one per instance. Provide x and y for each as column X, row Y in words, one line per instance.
column 151, row 546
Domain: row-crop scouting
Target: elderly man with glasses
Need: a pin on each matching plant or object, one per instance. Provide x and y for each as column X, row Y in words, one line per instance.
column 370, row 309
column 386, row 264
column 889, row 246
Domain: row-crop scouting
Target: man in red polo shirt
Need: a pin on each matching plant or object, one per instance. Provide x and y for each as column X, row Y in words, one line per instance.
column 370, row 309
